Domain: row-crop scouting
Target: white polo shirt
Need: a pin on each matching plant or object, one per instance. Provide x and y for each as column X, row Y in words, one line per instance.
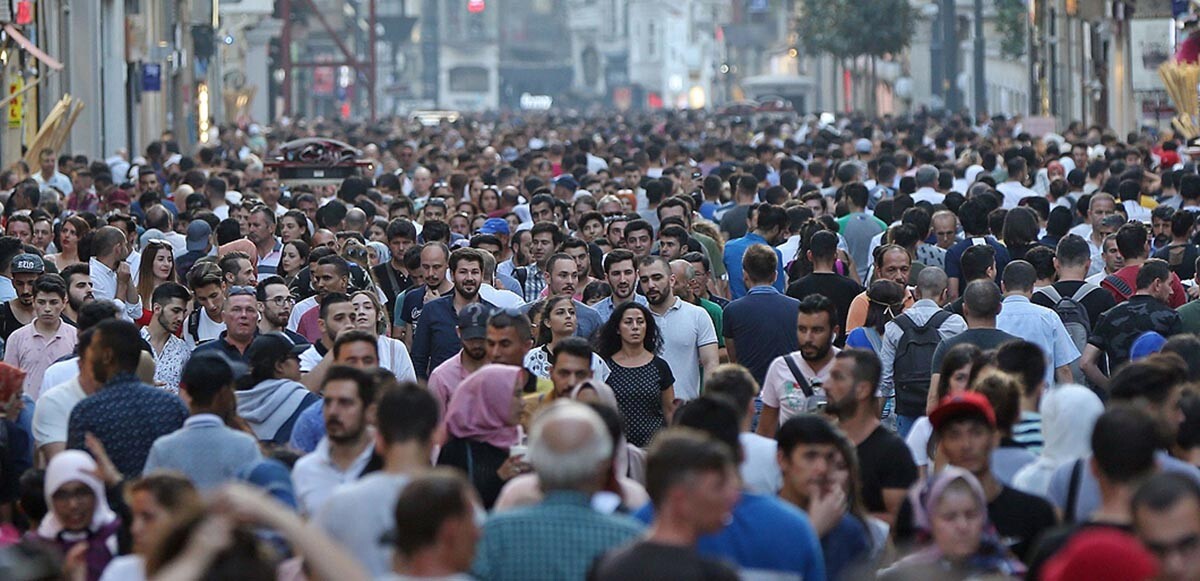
column 685, row 328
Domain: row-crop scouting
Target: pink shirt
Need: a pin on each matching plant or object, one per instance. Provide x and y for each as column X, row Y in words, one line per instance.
column 33, row 352
column 445, row 377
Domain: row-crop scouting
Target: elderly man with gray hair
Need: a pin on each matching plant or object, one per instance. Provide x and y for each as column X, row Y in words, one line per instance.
column 558, row 538
column 927, row 181
column 909, row 341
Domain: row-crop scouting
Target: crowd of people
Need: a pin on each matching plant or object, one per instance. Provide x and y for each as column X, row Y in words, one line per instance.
column 646, row 346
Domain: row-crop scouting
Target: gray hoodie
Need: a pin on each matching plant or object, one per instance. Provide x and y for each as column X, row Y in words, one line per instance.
column 268, row 406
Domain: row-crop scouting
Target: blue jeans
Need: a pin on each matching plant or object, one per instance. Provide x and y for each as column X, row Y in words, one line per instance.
column 904, row 424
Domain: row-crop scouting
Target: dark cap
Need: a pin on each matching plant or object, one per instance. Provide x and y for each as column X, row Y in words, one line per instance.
column 273, row 347
column 472, row 321
column 28, row 264
column 971, row 403
column 198, row 232
column 567, row 181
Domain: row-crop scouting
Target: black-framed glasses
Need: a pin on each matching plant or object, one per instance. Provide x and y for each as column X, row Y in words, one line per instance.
column 239, row 290
column 283, row 300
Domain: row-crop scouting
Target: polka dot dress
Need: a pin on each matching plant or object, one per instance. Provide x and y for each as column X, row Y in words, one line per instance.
column 639, row 397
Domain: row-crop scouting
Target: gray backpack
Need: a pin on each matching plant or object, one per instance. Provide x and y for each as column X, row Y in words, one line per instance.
column 1074, row 317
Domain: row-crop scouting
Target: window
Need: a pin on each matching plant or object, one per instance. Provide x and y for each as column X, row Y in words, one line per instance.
column 469, row 79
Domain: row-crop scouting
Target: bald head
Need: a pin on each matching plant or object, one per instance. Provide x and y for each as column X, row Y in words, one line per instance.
column 356, row 220
column 570, row 448
column 932, row 283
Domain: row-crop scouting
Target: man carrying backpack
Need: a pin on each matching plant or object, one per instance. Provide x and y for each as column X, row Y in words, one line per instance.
column 1075, row 301
column 909, row 341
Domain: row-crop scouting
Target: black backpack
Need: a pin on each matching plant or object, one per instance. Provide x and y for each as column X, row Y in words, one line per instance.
column 914, row 362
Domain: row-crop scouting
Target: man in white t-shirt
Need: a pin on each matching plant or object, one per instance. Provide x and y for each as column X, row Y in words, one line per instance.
column 793, row 381
column 689, row 341
column 1014, row 189
column 760, row 470
column 53, row 410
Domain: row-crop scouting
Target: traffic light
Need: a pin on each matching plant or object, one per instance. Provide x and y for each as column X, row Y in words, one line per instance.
column 203, row 42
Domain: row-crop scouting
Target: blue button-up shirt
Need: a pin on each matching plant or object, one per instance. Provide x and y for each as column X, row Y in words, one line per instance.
column 734, row 249
column 606, row 307
column 1021, row 318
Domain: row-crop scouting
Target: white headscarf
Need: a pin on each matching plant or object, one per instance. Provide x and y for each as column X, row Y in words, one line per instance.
column 73, row 466
column 1068, row 414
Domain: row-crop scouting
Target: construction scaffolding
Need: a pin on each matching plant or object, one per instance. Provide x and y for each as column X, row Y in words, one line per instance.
column 298, row 15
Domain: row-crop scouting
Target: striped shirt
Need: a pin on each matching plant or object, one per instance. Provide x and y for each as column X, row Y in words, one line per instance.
column 1028, row 432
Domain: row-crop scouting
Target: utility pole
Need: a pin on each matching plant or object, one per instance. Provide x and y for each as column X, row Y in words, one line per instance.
column 950, row 55
column 980, row 59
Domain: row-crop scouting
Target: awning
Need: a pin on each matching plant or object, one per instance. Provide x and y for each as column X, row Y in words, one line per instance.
column 32, row 48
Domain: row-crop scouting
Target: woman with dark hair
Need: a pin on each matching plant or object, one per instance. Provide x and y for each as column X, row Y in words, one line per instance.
column 292, row 259
column 293, row 225
column 1020, row 231
column 157, row 267
column 555, row 321
column 642, row 381
column 489, row 200
column 154, row 501
column 885, row 301
column 70, row 233
column 960, row 366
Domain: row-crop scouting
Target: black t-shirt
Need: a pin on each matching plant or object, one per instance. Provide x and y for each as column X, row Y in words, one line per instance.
column 1020, row 519
column 983, row 338
column 391, row 283
column 835, row 287
column 1095, row 302
column 650, row 561
column 8, row 320
column 955, row 306
column 884, row 462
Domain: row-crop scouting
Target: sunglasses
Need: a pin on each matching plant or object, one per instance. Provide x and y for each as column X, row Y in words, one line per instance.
column 240, row 290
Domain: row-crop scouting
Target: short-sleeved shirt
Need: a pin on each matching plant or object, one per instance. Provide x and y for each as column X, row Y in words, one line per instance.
column 859, row 228
column 839, row 289
column 639, row 397
column 652, row 561
column 884, row 463
column 34, row 352
column 1121, row 325
column 780, row 389
column 685, row 328
column 757, row 324
column 1041, row 326
column 954, row 257
column 983, row 338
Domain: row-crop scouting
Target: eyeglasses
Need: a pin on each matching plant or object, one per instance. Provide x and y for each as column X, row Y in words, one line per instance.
column 283, row 300
column 239, row 290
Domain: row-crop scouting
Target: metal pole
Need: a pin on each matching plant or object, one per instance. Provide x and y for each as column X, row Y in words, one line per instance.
column 285, row 56
column 980, row 61
column 373, row 72
column 950, row 54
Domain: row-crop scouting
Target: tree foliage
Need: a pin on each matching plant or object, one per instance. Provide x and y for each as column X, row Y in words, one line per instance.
column 850, row 28
column 1010, row 23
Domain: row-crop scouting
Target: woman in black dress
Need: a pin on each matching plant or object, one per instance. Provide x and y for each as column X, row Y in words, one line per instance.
column 641, row 380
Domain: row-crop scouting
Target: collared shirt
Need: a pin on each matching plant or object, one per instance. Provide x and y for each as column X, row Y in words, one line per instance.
column 606, row 307
column 928, row 194
column 557, row 538
column 446, row 377
column 59, row 181
column 436, row 337
column 533, row 282
column 685, row 328
column 222, row 344
column 128, row 416
column 1021, row 318
column 316, row 476
column 268, row 265
column 205, row 450
column 34, row 352
column 168, row 363
column 753, row 323
column 104, row 286
column 920, row 313
column 1013, row 193
column 735, row 249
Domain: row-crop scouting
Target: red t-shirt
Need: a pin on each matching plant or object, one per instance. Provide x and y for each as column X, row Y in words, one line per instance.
column 1128, row 274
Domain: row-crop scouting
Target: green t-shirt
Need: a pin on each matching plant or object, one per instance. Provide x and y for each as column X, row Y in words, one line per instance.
column 717, row 316
column 1189, row 315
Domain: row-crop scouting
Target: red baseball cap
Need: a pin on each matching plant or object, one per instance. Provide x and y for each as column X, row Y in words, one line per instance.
column 971, row 403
